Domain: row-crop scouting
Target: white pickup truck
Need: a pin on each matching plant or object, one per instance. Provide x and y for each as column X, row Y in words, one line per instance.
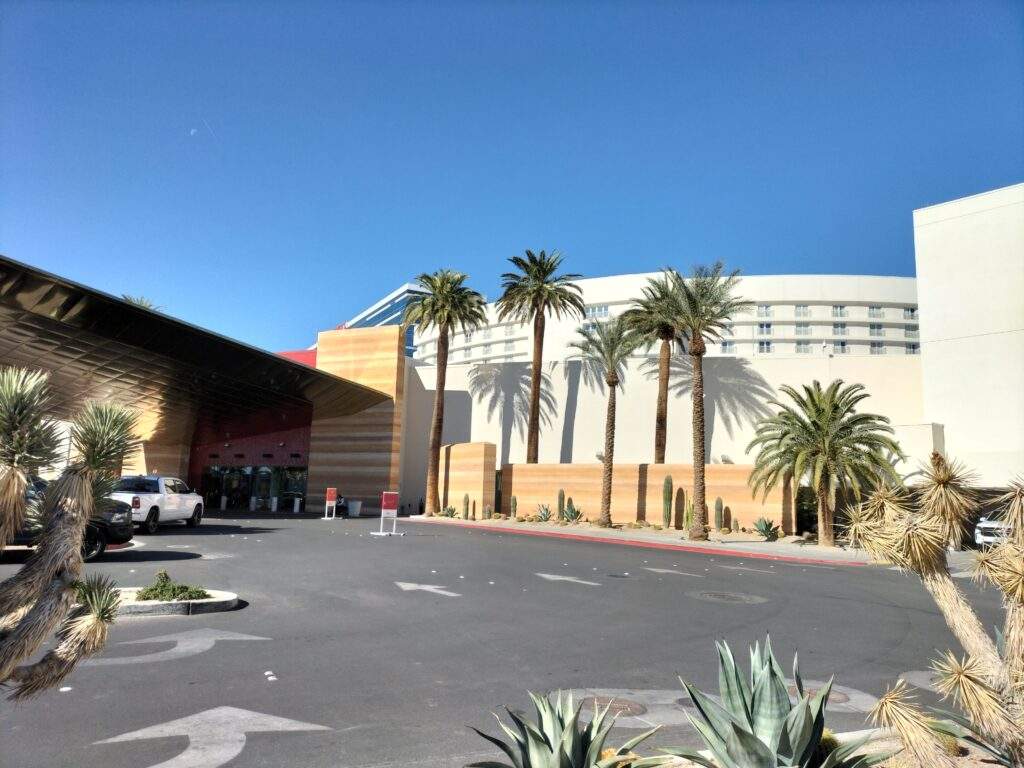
column 157, row 499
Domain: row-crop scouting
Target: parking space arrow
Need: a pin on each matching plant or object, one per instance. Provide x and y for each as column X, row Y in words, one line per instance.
column 672, row 570
column 406, row 586
column 215, row 736
column 573, row 579
column 185, row 644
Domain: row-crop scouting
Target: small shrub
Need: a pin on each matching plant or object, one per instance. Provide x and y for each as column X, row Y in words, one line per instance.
column 449, row 511
column 163, row 588
column 543, row 513
column 572, row 514
column 768, row 530
column 725, row 531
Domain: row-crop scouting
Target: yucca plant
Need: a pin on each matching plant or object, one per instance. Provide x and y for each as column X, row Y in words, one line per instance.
column 756, row 725
column 912, row 529
column 46, row 596
column 557, row 739
column 767, row 529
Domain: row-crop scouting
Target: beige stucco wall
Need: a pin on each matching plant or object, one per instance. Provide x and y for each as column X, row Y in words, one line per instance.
column 970, row 266
column 467, row 469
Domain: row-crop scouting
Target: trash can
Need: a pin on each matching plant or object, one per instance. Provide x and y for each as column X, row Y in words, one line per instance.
column 354, row 508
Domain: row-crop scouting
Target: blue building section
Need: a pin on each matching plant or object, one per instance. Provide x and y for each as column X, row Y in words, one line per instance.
column 388, row 311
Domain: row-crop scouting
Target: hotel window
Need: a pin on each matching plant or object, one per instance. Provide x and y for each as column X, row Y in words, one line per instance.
column 485, row 349
column 877, row 348
column 875, row 312
column 596, row 311
column 509, row 346
column 839, row 348
column 728, row 347
column 465, row 353
column 876, row 329
column 910, row 332
column 839, row 310
column 469, row 336
column 764, row 347
column 509, row 330
column 910, row 313
column 803, row 310
column 764, row 329
column 803, row 329
column 803, row 347
column 764, row 310
column 838, row 329
column 913, row 349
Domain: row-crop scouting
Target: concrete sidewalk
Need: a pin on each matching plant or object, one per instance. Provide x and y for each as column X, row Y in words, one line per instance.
column 749, row 547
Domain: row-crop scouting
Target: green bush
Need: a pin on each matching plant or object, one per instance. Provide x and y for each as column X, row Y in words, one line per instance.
column 666, row 502
column 165, row 589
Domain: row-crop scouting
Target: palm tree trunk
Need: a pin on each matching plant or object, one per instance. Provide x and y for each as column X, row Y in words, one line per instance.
column 533, row 422
column 698, row 529
column 826, row 527
column 433, row 502
column 661, row 415
column 609, row 459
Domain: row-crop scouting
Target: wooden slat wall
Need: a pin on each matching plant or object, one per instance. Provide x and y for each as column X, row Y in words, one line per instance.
column 359, row 454
column 637, row 491
column 468, row 468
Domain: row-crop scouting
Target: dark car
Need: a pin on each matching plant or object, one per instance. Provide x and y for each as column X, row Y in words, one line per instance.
column 111, row 525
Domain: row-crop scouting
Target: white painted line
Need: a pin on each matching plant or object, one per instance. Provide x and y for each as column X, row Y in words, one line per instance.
column 215, row 737
column 745, row 568
column 179, row 546
column 675, row 572
column 65, row 688
column 435, row 589
column 188, row 643
column 573, row 579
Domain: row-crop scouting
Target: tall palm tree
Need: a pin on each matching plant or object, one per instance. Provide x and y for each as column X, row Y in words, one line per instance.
column 447, row 304
column 605, row 348
column 708, row 302
column 656, row 318
column 532, row 292
column 822, row 438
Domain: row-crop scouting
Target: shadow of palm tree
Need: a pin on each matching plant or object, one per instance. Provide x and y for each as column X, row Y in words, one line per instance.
column 505, row 387
column 734, row 393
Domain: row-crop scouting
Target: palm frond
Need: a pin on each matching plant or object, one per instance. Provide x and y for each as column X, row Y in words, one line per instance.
column 536, row 287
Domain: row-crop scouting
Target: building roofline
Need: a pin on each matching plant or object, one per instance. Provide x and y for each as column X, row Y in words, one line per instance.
column 404, row 288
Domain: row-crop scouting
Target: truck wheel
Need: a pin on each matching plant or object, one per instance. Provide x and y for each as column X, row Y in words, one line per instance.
column 197, row 517
column 94, row 544
column 152, row 524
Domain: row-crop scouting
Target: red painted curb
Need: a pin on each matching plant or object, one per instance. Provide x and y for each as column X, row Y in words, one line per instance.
column 644, row 544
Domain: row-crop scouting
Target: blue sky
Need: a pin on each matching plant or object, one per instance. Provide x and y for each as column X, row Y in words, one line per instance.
column 268, row 169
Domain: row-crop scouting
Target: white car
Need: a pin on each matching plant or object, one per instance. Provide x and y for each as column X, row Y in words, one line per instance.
column 988, row 532
column 157, row 499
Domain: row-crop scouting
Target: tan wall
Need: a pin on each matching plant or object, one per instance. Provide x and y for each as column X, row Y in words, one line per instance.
column 360, row 455
column 637, row 491
column 467, row 468
column 159, row 458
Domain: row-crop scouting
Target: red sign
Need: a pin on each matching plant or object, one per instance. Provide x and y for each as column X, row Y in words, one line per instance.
column 388, row 504
column 332, row 495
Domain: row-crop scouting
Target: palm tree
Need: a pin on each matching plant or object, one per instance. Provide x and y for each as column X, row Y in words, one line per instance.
column 530, row 294
column 46, row 595
column 447, row 305
column 605, row 347
column 823, row 439
column 708, row 303
column 655, row 318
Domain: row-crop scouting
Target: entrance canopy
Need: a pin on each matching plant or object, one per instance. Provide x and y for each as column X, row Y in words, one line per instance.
column 96, row 346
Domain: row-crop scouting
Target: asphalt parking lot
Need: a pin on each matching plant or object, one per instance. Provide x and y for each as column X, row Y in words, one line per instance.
column 353, row 650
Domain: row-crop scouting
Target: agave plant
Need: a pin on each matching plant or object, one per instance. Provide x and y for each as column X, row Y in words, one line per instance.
column 758, row 726
column 767, row 528
column 543, row 513
column 557, row 739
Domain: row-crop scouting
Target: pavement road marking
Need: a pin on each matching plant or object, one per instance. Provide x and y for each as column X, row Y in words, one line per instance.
column 434, row 589
column 573, row 579
column 189, row 643
column 745, row 568
column 672, row 570
column 215, row 736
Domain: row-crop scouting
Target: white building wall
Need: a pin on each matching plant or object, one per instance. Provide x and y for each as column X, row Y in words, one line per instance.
column 970, row 267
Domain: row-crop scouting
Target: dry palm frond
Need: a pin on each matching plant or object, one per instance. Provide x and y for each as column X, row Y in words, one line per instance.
column 946, row 496
column 897, row 710
column 1013, row 510
column 964, row 681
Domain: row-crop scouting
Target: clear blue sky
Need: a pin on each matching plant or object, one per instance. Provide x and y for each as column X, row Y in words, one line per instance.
column 268, row 169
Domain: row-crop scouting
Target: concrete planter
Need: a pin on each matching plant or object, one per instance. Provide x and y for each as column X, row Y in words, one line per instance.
column 218, row 601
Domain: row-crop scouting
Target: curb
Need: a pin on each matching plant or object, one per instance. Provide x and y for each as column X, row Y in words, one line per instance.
column 647, row 544
column 220, row 601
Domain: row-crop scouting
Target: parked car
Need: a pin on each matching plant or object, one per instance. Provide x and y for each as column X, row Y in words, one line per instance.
column 112, row 524
column 155, row 499
column 989, row 532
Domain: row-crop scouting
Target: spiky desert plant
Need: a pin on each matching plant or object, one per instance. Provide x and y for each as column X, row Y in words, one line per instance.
column 28, row 441
column 557, row 739
column 719, row 513
column 947, row 496
column 513, row 507
column 606, row 347
column 446, row 304
column 898, row 711
column 39, row 599
column 823, row 438
column 561, row 503
column 530, row 294
column 465, row 506
column 666, row 502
